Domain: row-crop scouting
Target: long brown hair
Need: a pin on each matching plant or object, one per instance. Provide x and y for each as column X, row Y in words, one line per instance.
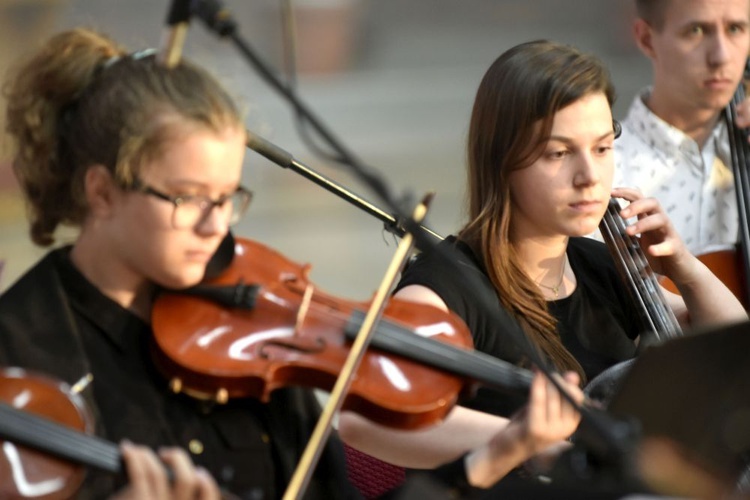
column 510, row 124
column 82, row 100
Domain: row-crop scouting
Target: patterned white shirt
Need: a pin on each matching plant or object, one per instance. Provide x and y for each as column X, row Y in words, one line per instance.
column 696, row 188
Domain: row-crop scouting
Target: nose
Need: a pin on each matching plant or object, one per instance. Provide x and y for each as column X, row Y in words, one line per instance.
column 718, row 50
column 216, row 219
column 587, row 171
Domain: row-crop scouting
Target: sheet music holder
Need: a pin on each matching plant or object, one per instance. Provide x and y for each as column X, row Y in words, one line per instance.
column 695, row 392
column 692, row 391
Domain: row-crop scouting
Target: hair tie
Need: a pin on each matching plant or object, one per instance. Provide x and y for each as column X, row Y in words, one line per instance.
column 143, row 53
column 133, row 55
column 109, row 62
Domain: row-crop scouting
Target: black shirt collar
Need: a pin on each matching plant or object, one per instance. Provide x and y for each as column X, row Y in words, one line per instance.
column 110, row 318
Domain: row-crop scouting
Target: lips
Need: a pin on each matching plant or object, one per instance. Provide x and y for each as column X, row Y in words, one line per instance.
column 584, row 203
column 198, row 256
column 718, row 83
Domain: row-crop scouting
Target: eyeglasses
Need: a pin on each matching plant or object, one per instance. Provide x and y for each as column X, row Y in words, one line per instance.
column 191, row 210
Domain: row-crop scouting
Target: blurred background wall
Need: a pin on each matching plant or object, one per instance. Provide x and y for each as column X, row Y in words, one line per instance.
column 394, row 79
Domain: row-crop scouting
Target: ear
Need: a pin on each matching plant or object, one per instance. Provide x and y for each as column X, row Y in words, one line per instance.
column 643, row 35
column 100, row 190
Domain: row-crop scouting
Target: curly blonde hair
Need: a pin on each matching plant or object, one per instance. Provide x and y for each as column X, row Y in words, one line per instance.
column 82, row 100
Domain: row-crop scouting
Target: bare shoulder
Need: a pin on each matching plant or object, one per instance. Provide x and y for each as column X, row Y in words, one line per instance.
column 422, row 295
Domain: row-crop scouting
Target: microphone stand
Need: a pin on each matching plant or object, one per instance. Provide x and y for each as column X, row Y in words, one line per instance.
column 220, row 21
column 610, row 440
column 285, row 159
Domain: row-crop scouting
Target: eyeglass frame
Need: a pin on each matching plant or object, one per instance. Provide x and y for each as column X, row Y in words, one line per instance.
column 206, row 205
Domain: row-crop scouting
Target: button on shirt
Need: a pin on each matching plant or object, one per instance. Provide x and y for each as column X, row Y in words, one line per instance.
column 696, row 188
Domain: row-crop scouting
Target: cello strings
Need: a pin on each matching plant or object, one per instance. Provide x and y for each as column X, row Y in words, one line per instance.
column 738, row 150
column 668, row 327
column 633, row 266
column 625, row 265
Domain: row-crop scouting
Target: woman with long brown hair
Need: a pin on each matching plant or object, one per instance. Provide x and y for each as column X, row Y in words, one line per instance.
column 540, row 169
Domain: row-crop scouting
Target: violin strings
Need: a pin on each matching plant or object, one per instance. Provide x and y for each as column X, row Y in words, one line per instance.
column 71, row 443
column 394, row 338
column 45, row 435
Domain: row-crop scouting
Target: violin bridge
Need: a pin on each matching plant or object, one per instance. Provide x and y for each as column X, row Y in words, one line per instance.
column 303, row 308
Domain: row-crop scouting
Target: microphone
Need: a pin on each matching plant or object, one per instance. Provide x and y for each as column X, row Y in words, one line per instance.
column 178, row 20
column 215, row 16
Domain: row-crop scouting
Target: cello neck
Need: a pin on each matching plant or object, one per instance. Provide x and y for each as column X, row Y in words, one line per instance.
column 658, row 322
column 740, row 159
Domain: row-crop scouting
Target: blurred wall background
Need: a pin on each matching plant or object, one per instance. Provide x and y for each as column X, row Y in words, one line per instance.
column 393, row 79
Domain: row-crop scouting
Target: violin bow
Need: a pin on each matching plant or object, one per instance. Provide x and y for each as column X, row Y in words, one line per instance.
column 308, row 461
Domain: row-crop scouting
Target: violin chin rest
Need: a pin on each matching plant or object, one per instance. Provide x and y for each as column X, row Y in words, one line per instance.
column 221, row 258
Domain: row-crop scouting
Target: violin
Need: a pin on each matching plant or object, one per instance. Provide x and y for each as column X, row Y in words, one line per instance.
column 48, row 439
column 262, row 325
column 51, row 425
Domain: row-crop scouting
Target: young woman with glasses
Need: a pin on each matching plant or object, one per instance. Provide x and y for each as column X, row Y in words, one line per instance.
column 145, row 161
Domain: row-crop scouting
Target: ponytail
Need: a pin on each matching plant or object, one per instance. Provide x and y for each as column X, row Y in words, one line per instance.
column 84, row 101
column 40, row 99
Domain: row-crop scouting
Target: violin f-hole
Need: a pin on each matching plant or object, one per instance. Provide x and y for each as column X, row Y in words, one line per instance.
column 311, row 346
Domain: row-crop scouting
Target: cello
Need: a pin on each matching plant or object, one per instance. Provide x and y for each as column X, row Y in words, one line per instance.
column 732, row 266
column 657, row 321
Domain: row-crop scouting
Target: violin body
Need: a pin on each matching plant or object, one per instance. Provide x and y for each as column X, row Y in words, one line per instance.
column 294, row 335
column 26, row 473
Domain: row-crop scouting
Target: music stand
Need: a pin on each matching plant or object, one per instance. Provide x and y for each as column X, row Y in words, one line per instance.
column 694, row 393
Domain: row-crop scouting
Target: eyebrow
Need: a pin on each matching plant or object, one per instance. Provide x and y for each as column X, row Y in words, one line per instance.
column 569, row 140
column 709, row 24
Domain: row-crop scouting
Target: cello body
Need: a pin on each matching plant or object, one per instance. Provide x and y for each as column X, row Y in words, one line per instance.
column 728, row 266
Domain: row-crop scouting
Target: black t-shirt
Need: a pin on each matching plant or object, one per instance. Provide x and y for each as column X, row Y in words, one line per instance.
column 54, row 321
column 597, row 322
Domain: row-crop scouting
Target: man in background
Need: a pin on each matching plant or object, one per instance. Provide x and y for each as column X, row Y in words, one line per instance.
column 675, row 144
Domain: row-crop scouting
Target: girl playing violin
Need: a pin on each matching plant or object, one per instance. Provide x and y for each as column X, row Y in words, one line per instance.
column 145, row 161
column 540, row 169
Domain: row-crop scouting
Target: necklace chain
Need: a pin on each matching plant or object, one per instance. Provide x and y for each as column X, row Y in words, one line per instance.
column 556, row 289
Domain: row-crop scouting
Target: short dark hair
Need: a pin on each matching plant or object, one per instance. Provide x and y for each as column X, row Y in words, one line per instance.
column 652, row 11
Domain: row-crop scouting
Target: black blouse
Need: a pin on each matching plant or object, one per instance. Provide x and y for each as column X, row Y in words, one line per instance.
column 54, row 321
column 597, row 322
